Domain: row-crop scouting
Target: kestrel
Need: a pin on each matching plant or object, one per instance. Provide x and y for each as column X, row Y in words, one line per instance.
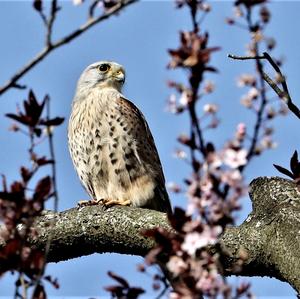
column 111, row 145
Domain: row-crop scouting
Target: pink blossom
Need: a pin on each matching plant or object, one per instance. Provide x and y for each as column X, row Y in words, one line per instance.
column 240, row 132
column 238, row 12
column 185, row 98
column 195, row 240
column 206, row 281
column 176, row 265
column 173, row 187
column 180, row 154
column 241, row 129
column 253, row 93
column 171, row 104
column 205, row 7
column 206, row 187
column 213, row 161
column 235, row 158
column 246, row 102
column 210, row 108
column 77, row 2
column 231, row 177
column 209, row 86
column 246, row 80
column 268, row 143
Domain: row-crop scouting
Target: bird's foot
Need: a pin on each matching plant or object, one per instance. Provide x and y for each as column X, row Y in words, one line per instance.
column 92, row 202
column 108, row 202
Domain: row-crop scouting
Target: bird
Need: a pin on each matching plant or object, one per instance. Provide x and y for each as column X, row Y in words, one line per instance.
column 111, row 145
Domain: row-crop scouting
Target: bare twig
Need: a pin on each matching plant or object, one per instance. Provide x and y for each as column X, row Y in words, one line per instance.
column 165, row 289
column 68, row 38
column 263, row 103
column 244, row 57
column 54, row 9
column 282, row 93
column 52, row 157
column 55, row 192
column 92, row 8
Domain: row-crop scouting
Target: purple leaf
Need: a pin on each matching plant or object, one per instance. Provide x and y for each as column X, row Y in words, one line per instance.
column 284, row 171
column 119, row 279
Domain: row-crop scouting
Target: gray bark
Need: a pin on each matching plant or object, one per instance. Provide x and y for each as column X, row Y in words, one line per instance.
column 269, row 238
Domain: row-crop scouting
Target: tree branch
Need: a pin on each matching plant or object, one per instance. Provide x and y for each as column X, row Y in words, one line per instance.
column 51, row 46
column 284, row 93
column 269, row 238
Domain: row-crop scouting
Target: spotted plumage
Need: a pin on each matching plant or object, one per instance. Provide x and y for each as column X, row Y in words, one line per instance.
column 111, row 145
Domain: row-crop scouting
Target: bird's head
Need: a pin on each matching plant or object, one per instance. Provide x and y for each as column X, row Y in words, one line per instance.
column 103, row 74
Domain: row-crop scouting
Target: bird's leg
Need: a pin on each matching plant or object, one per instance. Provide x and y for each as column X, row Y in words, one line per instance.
column 113, row 202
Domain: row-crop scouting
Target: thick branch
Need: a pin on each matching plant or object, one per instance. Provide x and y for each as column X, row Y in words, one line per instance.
column 87, row 230
column 269, row 237
column 13, row 82
column 270, row 234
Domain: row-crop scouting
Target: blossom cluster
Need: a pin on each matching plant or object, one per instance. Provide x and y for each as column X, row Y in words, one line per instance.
column 215, row 185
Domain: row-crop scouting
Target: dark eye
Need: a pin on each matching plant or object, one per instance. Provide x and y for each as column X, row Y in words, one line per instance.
column 104, row 67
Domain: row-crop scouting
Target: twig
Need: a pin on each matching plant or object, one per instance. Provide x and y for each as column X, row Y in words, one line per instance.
column 48, row 49
column 52, row 157
column 55, row 193
column 92, row 8
column 164, row 290
column 50, row 22
column 244, row 57
column 195, row 124
column 263, row 103
column 282, row 93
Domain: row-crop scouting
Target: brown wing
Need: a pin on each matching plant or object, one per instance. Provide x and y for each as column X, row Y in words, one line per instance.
column 146, row 148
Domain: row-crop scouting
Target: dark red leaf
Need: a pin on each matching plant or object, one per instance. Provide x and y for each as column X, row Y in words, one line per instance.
column 42, row 189
column 294, row 164
column 249, row 3
column 116, row 290
column 210, row 147
column 19, row 118
column 16, row 187
column 26, row 174
column 52, row 122
column 119, row 279
column 10, row 248
column 43, row 161
column 178, row 219
column 134, row 292
column 284, row 171
column 33, row 109
column 53, row 281
column 39, row 292
column 37, row 131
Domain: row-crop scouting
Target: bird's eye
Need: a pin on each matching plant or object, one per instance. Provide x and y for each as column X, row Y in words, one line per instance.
column 104, row 67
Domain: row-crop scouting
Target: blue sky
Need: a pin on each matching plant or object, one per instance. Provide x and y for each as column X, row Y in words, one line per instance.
column 138, row 39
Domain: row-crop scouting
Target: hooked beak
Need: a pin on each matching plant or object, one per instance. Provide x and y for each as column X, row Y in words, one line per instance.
column 119, row 76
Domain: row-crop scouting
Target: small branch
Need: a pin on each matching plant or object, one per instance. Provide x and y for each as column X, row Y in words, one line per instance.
column 55, row 193
column 92, row 8
column 52, row 157
column 263, row 103
column 284, row 93
column 50, row 22
column 235, row 57
column 68, row 38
